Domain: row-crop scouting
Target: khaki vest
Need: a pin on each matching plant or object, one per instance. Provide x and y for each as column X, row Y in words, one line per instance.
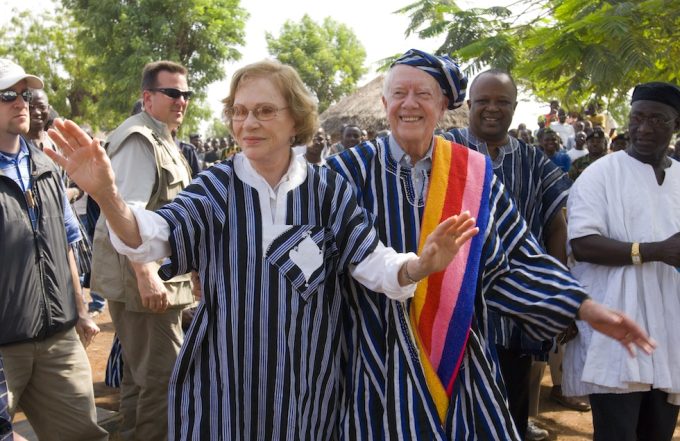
column 112, row 275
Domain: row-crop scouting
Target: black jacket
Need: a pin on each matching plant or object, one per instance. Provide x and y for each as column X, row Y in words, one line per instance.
column 36, row 288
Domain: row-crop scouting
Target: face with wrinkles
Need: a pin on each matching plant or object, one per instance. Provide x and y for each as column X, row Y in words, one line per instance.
column 414, row 103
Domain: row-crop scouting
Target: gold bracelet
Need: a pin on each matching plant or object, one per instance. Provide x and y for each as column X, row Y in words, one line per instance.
column 408, row 276
column 635, row 256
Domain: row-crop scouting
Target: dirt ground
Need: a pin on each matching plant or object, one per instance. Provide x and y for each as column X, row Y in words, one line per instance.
column 563, row 424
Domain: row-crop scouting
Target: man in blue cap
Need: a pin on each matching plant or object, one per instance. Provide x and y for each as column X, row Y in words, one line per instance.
column 426, row 369
column 624, row 233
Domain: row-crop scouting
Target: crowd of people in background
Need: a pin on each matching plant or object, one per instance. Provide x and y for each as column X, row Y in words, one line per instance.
column 572, row 140
column 294, row 258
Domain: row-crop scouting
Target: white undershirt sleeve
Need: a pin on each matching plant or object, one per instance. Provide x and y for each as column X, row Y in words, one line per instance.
column 155, row 233
column 379, row 272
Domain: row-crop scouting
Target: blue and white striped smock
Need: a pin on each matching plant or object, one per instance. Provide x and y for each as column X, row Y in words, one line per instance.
column 539, row 190
column 385, row 395
column 261, row 360
column 5, row 420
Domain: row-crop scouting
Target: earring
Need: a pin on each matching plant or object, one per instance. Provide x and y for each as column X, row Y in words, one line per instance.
column 292, row 141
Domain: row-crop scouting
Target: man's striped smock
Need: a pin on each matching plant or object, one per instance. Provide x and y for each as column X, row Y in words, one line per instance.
column 385, row 394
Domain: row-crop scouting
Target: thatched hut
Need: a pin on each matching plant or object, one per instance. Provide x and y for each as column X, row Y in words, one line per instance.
column 364, row 108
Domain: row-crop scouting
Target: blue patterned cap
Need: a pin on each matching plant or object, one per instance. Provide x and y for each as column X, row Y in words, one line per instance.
column 443, row 69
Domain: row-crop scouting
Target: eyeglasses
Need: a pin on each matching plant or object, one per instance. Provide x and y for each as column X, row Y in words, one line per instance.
column 654, row 121
column 9, row 96
column 174, row 93
column 262, row 112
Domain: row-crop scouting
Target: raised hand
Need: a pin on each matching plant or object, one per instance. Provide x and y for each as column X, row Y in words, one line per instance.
column 83, row 158
column 616, row 325
column 85, row 161
column 442, row 245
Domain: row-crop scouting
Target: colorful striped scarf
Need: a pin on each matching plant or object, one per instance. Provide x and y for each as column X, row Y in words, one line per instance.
column 442, row 309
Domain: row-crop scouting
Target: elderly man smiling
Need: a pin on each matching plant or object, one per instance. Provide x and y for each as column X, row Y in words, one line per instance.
column 425, row 369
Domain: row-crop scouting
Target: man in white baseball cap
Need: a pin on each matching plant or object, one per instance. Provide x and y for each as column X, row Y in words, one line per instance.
column 42, row 314
column 11, row 73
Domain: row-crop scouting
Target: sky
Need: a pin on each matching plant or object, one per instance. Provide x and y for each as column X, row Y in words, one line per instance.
column 379, row 30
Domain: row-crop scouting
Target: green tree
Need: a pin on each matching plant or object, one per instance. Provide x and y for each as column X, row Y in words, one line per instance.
column 125, row 35
column 573, row 50
column 47, row 45
column 328, row 57
column 217, row 129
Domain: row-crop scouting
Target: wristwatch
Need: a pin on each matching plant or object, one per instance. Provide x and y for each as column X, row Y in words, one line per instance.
column 635, row 254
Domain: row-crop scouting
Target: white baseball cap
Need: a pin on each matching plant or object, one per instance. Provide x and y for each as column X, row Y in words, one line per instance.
column 11, row 73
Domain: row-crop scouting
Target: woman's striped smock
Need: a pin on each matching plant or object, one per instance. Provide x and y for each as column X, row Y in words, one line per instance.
column 261, row 359
column 385, row 394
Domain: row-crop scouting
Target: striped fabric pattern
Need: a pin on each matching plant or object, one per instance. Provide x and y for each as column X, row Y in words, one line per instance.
column 5, row 421
column 385, row 396
column 539, row 189
column 443, row 69
column 114, row 364
column 442, row 308
column 261, row 360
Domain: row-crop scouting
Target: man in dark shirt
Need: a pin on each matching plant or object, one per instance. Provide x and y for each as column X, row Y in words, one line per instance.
column 42, row 314
column 596, row 142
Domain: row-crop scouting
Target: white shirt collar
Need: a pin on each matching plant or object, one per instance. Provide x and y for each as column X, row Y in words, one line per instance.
column 272, row 200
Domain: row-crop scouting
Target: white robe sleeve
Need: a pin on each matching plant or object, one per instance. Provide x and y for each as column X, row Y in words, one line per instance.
column 379, row 272
column 155, row 233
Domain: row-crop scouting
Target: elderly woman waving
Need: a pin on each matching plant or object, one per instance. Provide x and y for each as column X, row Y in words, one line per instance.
column 268, row 235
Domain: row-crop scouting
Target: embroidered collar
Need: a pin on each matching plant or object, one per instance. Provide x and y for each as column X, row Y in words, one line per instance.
column 479, row 145
column 404, row 160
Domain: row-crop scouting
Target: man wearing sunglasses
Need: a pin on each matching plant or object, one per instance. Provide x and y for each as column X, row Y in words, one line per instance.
column 42, row 312
column 146, row 312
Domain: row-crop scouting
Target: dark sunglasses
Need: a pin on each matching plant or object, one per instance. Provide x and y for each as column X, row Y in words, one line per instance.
column 174, row 93
column 9, row 96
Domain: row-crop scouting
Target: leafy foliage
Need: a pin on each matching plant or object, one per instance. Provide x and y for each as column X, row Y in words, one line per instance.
column 48, row 46
column 125, row 35
column 217, row 129
column 572, row 50
column 91, row 53
column 328, row 57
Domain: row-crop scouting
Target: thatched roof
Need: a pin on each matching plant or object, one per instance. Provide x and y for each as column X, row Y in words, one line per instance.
column 365, row 109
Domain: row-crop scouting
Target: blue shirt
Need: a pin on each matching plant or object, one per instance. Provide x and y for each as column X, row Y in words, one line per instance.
column 539, row 189
column 18, row 168
column 562, row 160
column 420, row 171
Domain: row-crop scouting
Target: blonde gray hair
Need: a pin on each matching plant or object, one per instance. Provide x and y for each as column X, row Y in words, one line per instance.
column 301, row 103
